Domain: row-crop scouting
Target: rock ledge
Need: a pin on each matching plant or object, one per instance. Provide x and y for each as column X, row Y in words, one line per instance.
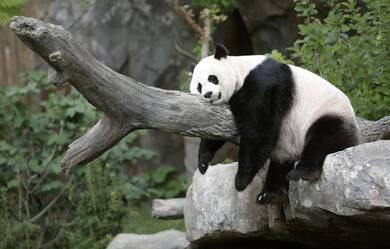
column 348, row 207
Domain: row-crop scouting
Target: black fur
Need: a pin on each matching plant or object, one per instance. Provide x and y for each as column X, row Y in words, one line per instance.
column 191, row 68
column 199, row 88
column 259, row 108
column 275, row 189
column 213, row 79
column 328, row 134
column 207, row 150
column 220, row 51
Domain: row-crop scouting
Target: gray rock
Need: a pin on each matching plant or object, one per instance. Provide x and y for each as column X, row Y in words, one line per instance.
column 353, row 182
column 136, row 38
column 170, row 239
column 270, row 24
column 213, row 204
column 349, row 206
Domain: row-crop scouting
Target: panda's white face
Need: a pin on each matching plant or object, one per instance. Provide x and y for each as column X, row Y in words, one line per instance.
column 215, row 80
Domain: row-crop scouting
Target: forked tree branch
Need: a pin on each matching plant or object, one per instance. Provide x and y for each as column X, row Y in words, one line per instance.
column 127, row 104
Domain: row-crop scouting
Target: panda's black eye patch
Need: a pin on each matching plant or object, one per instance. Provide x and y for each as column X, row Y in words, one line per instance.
column 213, row 79
column 199, row 88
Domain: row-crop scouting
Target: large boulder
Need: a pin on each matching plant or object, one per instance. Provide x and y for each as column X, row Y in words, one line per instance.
column 348, row 207
column 170, row 239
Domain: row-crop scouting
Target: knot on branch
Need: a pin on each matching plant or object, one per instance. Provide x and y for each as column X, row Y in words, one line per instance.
column 56, row 56
column 57, row 78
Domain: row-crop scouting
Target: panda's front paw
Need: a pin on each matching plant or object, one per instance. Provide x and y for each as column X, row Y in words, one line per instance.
column 202, row 167
column 242, row 181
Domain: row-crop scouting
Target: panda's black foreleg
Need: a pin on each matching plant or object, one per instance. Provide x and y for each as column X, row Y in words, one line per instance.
column 207, row 150
column 253, row 153
column 328, row 134
column 275, row 190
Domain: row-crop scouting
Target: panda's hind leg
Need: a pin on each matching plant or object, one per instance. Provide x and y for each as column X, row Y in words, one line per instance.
column 275, row 190
column 328, row 134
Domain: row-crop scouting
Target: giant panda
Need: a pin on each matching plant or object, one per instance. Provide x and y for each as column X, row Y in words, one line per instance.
column 283, row 113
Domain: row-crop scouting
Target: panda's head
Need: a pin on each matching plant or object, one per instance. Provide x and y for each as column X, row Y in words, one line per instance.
column 214, row 77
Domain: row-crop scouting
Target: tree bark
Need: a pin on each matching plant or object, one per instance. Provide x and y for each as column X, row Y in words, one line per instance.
column 127, row 104
column 168, row 208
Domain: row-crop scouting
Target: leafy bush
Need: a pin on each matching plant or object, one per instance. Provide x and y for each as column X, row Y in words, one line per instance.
column 38, row 209
column 350, row 48
column 10, row 8
column 160, row 183
column 224, row 5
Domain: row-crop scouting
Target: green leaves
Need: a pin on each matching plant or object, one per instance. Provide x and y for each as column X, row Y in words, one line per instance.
column 276, row 55
column 163, row 182
column 224, row 5
column 33, row 140
column 305, row 8
column 10, row 8
column 351, row 50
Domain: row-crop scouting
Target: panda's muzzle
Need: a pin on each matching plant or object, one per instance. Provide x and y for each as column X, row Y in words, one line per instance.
column 207, row 95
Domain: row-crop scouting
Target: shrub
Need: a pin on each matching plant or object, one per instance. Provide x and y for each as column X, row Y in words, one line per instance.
column 38, row 209
column 350, row 48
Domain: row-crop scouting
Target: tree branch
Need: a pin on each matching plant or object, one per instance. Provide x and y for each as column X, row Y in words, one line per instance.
column 127, row 104
column 187, row 16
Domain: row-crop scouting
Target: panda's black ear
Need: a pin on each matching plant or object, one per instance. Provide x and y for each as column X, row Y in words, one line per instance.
column 220, row 51
column 191, row 68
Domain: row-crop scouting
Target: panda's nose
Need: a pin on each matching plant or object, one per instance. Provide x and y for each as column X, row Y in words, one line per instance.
column 207, row 95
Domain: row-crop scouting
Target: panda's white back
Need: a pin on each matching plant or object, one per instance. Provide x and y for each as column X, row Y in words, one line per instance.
column 314, row 98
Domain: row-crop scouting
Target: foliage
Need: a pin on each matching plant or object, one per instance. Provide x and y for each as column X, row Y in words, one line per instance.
column 350, row 48
column 216, row 10
column 38, row 209
column 101, row 199
column 160, row 183
column 225, row 5
column 10, row 8
column 278, row 56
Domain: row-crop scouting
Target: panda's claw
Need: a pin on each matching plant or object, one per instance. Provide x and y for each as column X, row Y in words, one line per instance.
column 202, row 167
column 275, row 198
column 262, row 198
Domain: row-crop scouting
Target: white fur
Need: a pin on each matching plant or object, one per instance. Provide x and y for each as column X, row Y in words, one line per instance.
column 230, row 71
column 314, row 97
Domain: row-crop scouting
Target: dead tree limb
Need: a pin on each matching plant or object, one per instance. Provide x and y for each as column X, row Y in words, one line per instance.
column 374, row 130
column 127, row 104
column 168, row 208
